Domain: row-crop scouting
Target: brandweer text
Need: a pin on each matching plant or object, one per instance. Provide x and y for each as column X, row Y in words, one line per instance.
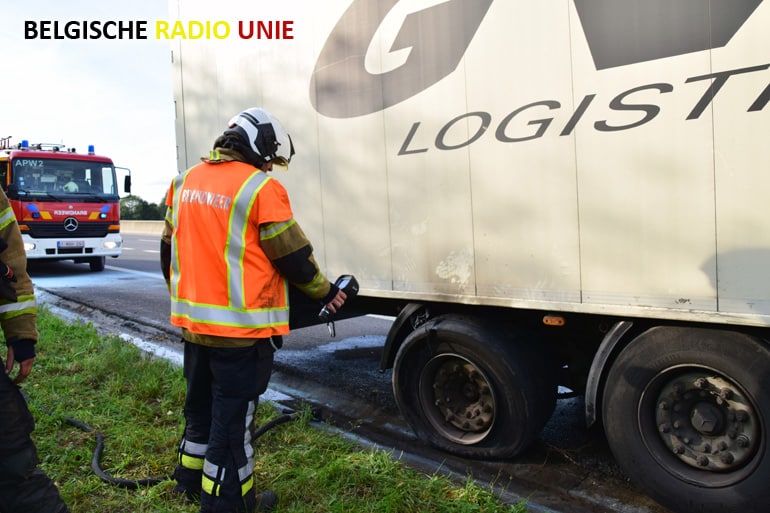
column 207, row 198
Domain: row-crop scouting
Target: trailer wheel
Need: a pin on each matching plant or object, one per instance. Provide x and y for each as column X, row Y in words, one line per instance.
column 467, row 389
column 686, row 414
column 97, row 264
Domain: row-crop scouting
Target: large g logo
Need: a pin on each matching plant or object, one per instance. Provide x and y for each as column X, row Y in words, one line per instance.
column 429, row 44
column 621, row 32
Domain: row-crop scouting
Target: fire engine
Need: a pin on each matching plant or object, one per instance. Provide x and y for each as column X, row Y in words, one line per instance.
column 67, row 203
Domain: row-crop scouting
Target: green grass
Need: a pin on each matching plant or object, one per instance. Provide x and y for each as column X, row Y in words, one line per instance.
column 136, row 402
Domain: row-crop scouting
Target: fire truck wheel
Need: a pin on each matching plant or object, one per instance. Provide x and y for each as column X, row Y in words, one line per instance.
column 466, row 388
column 97, row 264
column 686, row 413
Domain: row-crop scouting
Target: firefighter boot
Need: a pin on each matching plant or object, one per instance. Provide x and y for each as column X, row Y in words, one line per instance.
column 266, row 501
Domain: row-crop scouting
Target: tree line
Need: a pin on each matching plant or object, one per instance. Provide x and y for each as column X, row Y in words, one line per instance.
column 134, row 208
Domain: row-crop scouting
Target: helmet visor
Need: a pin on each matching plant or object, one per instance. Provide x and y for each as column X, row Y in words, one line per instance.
column 282, row 156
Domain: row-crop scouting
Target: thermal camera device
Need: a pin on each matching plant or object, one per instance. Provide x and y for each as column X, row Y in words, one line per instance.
column 348, row 284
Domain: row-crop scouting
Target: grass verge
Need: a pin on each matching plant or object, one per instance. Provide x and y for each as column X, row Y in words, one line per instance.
column 135, row 401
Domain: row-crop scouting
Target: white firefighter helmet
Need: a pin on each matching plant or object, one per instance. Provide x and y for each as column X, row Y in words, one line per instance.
column 264, row 134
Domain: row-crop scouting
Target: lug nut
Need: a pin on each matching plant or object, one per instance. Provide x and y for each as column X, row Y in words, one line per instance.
column 701, row 383
column 727, row 458
column 703, row 461
column 679, row 449
column 726, row 393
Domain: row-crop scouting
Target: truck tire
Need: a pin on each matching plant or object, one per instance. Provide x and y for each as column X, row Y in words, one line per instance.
column 468, row 389
column 97, row 264
column 686, row 414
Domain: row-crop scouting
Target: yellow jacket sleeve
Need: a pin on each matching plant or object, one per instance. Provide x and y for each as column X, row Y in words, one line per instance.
column 17, row 319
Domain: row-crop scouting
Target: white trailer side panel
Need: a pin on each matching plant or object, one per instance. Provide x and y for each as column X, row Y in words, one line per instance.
column 646, row 193
column 533, row 174
column 742, row 162
column 524, row 199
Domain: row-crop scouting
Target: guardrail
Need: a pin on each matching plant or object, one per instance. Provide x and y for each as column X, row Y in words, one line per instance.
column 147, row 227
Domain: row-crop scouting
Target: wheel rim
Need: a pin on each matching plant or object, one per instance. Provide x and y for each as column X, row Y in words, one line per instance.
column 703, row 419
column 457, row 398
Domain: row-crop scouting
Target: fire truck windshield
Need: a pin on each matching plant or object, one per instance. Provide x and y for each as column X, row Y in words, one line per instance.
column 41, row 177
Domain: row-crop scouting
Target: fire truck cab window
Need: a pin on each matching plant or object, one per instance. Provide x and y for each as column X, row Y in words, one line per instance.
column 59, row 176
column 26, row 180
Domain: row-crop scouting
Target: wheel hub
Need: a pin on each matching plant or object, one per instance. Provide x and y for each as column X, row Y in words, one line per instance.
column 707, row 422
column 458, row 398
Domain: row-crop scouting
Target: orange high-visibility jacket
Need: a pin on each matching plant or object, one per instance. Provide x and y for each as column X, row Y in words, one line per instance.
column 222, row 283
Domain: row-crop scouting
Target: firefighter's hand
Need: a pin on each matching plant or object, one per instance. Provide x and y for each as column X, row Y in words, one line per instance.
column 25, row 367
column 336, row 302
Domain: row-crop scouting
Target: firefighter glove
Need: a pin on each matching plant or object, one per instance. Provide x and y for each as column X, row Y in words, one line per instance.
column 23, row 349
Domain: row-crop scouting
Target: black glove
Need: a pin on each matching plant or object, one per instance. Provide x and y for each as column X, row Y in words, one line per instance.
column 23, row 349
column 7, row 279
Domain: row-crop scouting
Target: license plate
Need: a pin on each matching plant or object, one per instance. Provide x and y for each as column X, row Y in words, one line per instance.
column 71, row 243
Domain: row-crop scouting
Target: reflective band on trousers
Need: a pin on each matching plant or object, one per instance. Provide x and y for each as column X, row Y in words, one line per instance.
column 236, row 313
column 214, row 476
column 191, row 454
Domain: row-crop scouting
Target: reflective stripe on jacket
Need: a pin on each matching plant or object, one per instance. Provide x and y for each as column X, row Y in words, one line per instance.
column 222, row 283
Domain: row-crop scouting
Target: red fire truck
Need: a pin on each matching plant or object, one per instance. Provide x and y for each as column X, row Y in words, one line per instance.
column 67, row 203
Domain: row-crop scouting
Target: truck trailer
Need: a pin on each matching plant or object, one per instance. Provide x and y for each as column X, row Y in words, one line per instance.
column 552, row 195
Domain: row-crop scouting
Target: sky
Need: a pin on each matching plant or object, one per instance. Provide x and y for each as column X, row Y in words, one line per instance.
column 116, row 95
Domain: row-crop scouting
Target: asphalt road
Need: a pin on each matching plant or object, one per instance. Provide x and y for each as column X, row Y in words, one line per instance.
column 568, row 470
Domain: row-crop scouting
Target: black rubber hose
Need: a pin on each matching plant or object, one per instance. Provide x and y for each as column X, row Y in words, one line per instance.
column 133, row 484
column 267, row 426
column 97, row 457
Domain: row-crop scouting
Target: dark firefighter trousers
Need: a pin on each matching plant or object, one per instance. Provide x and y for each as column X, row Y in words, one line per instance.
column 24, row 488
column 216, row 453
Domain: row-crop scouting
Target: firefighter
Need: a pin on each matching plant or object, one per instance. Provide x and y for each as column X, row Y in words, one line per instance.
column 70, row 186
column 229, row 249
column 24, row 488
